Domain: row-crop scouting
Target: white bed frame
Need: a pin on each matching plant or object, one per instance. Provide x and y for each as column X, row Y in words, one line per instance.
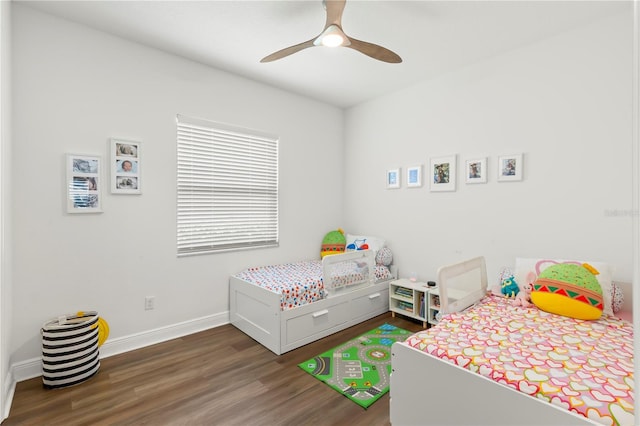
column 428, row 390
column 256, row 311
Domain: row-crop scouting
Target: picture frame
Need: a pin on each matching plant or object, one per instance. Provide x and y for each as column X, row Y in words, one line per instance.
column 509, row 168
column 476, row 170
column 443, row 173
column 414, row 177
column 126, row 165
column 83, row 183
column 393, row 179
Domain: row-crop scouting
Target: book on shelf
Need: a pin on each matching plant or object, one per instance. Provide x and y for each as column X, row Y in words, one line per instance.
column 405, row 292
column 405, row 306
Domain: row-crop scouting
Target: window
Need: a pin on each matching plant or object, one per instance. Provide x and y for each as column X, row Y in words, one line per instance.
column 227, row 187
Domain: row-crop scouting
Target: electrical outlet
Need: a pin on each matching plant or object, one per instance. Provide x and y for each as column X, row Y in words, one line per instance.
column 149, row 303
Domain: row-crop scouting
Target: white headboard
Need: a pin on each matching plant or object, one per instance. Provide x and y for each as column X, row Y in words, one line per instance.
column 462, row 284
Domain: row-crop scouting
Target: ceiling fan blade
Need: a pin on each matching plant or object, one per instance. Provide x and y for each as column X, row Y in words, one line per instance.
column 334, row 12
column 373, row 50
column 288, row 51
column 333, row 28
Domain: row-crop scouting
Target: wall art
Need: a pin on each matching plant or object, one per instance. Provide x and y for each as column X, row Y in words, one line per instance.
column 476, row 170
column 443, row 173
column 414, row 176
column 125, row 166
column 510, row 168
column 84, row 180
column 393, row 179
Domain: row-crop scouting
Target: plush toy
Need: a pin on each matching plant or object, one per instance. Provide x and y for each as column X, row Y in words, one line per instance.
column 333, row 242
column 509, row 287
column 617, row 298
column 523, row 298
column 384, row 256
column 569, row 289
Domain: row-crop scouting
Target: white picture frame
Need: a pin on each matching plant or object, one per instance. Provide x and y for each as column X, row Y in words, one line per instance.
column 475, row 170
column 126, row 166
column 414, row 176
column 393, row 178
column 443, row 173
column 83, row 183
column 510, row 168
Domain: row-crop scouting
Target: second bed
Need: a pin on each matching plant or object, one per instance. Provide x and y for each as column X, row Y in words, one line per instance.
column 289, row 305
column 501, row 364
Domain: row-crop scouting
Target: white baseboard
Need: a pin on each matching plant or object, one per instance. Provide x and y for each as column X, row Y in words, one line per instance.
column 31, row 368
column 7, row 392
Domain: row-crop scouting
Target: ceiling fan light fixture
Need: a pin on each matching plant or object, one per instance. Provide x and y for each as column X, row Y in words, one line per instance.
column 332, row 36
column 332, row 40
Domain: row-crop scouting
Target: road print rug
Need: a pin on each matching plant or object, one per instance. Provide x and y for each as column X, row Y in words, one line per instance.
column 359, row 369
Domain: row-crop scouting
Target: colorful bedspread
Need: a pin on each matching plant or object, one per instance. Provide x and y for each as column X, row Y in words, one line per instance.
column 300, row 283
column 583, row 366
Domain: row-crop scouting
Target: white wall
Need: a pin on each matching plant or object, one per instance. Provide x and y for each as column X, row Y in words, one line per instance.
column 6, row 380
column 564, row 102
column 74, row 88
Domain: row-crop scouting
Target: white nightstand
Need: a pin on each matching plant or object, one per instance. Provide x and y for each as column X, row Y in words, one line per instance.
column 433, row 305
column 409, row 298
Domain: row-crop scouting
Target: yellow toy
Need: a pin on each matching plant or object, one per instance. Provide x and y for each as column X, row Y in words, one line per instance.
column 569, row 289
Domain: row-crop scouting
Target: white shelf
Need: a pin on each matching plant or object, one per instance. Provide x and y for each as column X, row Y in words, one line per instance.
column 434, row 304
column 409, row 298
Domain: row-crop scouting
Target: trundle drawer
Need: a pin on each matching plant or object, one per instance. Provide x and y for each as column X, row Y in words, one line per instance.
column 307, row 325
column 373, row 302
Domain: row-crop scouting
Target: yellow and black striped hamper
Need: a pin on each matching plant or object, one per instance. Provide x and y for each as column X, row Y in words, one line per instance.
column 70, row 348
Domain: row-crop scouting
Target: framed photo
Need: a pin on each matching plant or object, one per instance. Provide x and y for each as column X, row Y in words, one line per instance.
column 510, row 168
column 414, row 177
column 443, row 173
column 84, row 179
column 476, row 170
column 393, row 179
column 125, row 167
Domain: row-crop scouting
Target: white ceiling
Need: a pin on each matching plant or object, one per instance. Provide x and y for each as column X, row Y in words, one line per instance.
column 432, row 37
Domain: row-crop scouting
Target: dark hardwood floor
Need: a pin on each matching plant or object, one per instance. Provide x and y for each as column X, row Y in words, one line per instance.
column 215, row 377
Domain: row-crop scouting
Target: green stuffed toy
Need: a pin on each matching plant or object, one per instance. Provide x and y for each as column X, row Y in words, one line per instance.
column 569, row 289
column 333, row 243
column 509, row 287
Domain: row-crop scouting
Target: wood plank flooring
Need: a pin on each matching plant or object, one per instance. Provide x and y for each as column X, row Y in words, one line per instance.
column 215, row 377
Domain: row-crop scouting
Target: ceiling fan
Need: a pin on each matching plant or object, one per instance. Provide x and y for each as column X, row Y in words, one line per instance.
column 334, row 36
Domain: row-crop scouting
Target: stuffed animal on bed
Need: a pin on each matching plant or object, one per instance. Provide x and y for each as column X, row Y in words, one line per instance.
column 569, row 289
column 523, row 298
column 333, row 242
column 384, row 256
column 508, row 285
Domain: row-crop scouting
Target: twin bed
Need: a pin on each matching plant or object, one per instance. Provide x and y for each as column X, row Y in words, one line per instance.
column 287, row 306
column 491, row 362
column 488, row 361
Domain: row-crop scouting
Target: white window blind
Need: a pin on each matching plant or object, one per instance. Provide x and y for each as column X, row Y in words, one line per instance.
column 227, row 187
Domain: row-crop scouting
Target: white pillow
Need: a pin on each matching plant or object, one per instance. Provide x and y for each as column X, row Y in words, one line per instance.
column 359, row 242
column 527, row 271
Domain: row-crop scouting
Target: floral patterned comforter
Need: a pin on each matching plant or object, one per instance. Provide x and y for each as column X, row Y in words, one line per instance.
column 583, row 366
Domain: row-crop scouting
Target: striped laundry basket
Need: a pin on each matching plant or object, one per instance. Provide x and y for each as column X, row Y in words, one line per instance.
column 70, row 352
